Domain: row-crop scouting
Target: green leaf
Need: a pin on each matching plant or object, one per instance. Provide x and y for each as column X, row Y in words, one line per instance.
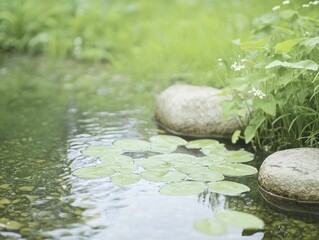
column 287, row 14
column 240, row 219
column 251, row 129
column 240, row 156
column 201, row 143
column 233, row 169
column 214, row 150
column 206, row 176
column 228, row 188
column 132, row 145
column 115, row 158
column 125, row 179
column 168, row 139
column 286, row 46
column 210, row 227
column 163, row 147
column 235, row 136
column 98, row 151
column 163, row 176
column 255, row 45
column 153, row 164
column 267, row 104
column 306, row 64
column 210, row 160
column 93, row 172
column 184, row 188
column 191, row 168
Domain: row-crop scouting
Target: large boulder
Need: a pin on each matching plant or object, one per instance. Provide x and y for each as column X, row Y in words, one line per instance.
column 193, row 111
column 290, row 179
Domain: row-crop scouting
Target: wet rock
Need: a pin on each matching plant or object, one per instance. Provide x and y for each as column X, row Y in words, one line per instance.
column 290, row 179
column 193, row 111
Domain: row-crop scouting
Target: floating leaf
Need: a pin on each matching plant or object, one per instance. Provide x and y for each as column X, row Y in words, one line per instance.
column 240, row 219
column 201, row 143
column 116, row 158
column 168, row 139
column 210, row 160
column 93, row 172
column 211, row 227
column 163, row 176
column 214, row 150
column 182, row 188
column 163, row 147
column 228, row 188
column 153, row 164
column 232, row 169
column 132, row 145
column 125, row 179
column 98, row 151
column 238, row 156
column 191, row 169
column 175, row 159
column 206, row 176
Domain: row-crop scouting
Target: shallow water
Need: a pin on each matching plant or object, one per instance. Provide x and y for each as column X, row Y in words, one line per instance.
column 49, row 113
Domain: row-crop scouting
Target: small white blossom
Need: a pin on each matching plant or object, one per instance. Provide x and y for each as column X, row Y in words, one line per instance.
column 237, row 66
column 220, row 59
column 243, row 60
column 306, row 33
column 315, row 2
column 285, row 2
column 305, row 5
column 257, row 93
column 275, row 8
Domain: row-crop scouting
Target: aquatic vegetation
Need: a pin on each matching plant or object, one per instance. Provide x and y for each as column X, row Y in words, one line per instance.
column 182, row 174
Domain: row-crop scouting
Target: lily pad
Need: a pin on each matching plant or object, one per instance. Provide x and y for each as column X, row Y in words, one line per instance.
column 211, row 227
column 184, row 188
column 208, row 160
column 169, row 157
column 214, row 150
column 238, row 156
column 191, row 168
column 98, row 151
column 151, row 164
column 168, row 139
column 123, row 167
column 163, row 147
column 206, row 176
column 93, row 172
column 233, row 169
column 125, row 179
column 132, row 145
column 240, row 219
column 163, row 176
column 201, row 143
column 228, row 188
column 116, row 158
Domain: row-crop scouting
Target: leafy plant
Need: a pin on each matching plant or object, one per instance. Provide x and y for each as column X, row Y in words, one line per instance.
column 278, row 82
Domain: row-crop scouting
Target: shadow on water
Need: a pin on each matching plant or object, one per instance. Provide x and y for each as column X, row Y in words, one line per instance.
column 49, row 114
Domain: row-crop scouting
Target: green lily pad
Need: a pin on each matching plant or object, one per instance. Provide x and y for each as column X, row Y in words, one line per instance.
column 151, row 164
column 191, row 168
column 125, row 179
column 132, row 145
column 98, row 151
column 201, row 143
column 233, row 169
column 206, row 176
column 169, row 157
column 240, row 219
column 211, row 227
column 122, row 167
column 168, row 139
column 163, row 147
column 214, row 150
column 93, row 172
column 238, row 156
column 228, row 188
column 208, row 160
column 163, row 176
column 116, row 158
column 184, row 188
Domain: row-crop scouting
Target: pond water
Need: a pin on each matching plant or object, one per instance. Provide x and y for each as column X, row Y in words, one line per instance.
column 49, row 113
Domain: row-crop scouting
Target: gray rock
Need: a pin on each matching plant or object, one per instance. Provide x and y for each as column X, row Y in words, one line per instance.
column 292, row 174
column 193, row 111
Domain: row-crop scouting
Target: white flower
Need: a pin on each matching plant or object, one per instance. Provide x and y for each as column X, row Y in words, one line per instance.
column 220, row 59
column 275, row 8
column 257, row 93
column 237, row 66
column 285, row 2
column 315, row 2
column 305, row 5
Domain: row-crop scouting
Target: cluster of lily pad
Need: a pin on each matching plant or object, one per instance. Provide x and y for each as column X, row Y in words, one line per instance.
column 183, row 174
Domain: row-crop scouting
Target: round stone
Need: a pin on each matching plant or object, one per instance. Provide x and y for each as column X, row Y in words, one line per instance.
column 292, row 174
column 194, row 111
